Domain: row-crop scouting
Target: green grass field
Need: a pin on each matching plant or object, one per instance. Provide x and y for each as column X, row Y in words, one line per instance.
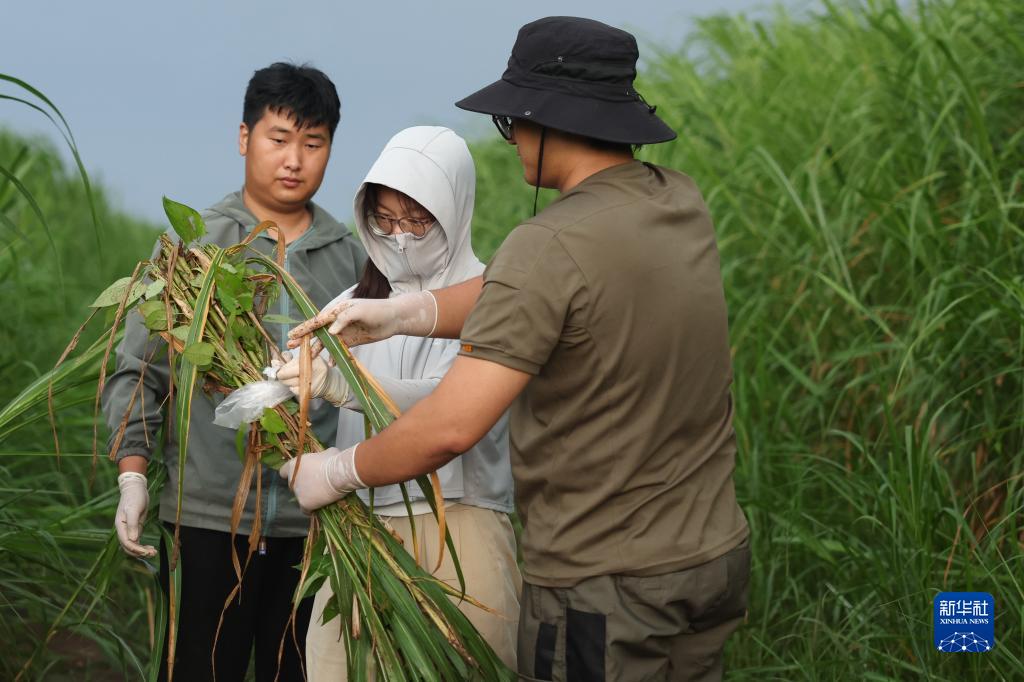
column 53, row 523
column 864, row 165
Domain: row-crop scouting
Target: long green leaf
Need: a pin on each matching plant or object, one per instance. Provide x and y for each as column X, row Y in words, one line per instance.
column 187, row 372
column 110, row 550
column 78, row 371
column 69, row 137
column 13, row 179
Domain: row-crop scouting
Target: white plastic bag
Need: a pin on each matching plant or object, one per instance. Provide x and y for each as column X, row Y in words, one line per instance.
column 247, row 403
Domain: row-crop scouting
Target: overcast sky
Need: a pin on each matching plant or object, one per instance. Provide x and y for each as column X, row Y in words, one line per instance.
column 153, row 91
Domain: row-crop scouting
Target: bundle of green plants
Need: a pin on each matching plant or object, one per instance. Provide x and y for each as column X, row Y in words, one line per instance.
column 207, row 303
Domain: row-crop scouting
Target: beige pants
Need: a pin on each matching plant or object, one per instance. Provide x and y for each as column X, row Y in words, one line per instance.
column 486, row 546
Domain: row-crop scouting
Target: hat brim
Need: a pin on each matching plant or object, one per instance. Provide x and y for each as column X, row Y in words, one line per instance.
column 628, row 122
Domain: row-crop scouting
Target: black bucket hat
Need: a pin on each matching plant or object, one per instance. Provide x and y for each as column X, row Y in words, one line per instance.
column 574, row 75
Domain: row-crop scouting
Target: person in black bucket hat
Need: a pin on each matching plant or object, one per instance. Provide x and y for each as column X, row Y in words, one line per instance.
column 573, row 75
column 601, row 323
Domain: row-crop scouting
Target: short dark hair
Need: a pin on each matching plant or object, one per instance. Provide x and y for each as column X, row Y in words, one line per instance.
column 304, row 93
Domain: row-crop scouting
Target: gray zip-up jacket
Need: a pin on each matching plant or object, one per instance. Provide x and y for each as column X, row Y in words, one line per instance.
column 326, row 259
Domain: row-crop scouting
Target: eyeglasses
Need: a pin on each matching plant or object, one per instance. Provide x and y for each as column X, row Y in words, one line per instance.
column 417, row 227
column 504, row 126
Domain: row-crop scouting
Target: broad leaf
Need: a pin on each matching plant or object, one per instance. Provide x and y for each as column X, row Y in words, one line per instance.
column 154, row 289
column 273, row 459
column 185, row 220
column 199, row 354
column 113, row 294
column 272, row 422
column 154, row 315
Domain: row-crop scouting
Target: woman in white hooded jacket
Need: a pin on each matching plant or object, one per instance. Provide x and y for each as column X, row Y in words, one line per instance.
column 413, row 213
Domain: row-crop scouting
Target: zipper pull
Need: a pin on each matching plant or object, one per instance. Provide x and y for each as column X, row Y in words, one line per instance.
column 262, row 547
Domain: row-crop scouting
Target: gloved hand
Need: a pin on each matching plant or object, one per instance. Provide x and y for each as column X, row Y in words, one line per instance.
column 131, row 513
column 364, row 320
column 324, row 477
column 327, row 382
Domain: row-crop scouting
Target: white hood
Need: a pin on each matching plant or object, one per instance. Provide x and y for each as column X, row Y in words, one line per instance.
column 432, row 165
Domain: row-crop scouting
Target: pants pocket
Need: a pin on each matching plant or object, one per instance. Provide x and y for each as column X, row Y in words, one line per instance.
column 730, row 574
column 585, row 638
column 541, row 646
column 544, row 651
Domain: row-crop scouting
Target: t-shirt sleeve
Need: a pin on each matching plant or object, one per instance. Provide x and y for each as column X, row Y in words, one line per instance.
column 527, row 295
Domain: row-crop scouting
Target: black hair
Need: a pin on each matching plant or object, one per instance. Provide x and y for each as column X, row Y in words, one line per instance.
column 302, row 92
column 373, row 283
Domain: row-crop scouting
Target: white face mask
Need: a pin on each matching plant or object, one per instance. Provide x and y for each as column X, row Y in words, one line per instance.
column 406, row 257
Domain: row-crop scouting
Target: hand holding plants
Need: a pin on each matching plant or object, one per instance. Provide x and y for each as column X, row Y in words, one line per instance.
column 327, row 382
column 359, row 320
column 322, row 477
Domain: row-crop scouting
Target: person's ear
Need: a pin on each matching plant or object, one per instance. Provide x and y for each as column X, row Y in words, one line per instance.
column 243, row 139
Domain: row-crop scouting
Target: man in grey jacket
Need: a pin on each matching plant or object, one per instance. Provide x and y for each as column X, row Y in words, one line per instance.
column 289, row 118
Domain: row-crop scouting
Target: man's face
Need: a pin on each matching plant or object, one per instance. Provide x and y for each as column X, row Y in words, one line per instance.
column 284, row 165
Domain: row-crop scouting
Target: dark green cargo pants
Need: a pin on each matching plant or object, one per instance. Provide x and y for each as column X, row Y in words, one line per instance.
column 621, row 628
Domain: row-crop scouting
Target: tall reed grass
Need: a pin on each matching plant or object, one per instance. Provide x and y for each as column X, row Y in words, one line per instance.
column 58, row 560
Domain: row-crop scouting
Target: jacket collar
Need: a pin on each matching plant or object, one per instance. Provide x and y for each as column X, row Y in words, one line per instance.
column 324, row 229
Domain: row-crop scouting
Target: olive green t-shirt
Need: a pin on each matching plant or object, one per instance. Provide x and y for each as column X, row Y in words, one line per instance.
column 622, row 442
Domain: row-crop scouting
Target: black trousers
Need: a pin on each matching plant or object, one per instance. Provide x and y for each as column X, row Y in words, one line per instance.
column 257, row 617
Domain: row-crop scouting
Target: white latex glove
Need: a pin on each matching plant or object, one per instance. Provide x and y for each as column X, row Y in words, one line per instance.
column 327, row 382
column 324, row 477
column 365, row 320
column 131, row 513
